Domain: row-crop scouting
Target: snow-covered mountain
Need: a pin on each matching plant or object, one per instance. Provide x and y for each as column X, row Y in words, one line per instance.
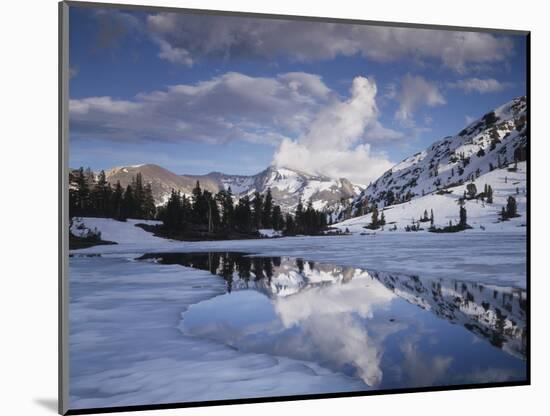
column 287, row 186
column 483, row 153
column 487, row 143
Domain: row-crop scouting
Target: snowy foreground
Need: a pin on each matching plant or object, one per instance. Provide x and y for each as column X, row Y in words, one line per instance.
column 128, row 345
column 120, row 355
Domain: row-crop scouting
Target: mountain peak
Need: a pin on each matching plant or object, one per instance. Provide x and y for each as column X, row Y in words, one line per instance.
column 490, row 142
column 288, row 185
column 290, row 170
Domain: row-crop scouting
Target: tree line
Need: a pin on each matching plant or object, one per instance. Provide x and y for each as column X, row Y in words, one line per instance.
column 92, row 196
column 217, row 213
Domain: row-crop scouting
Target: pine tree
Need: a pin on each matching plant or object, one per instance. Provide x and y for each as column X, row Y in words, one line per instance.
column 116, row 202
column 128, row 203
column 101, row 195
column 463, row 216
column 197, row 193
column 374, row 221
column 298, row 218
column 73, row 194
column 511, row 207
column 212, row 211
column 471, row 190
column 243, row 215
column 431, row 218
column 83, row 192
column 149, row 208
column 278, row 219
column 323, row 220
column 139, row 195
column 489, row 194
column 310, row 220
column 267, row 213
column 173, row 213
column 225, row 199
column 382, row 219
column 200, row 205
column 257, row 210
column 290, row 225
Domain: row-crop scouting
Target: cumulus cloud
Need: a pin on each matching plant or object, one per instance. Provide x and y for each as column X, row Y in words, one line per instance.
column 232, row 106
column 196, row 36
column 333, row 143
column 313, row 128
column 479, row 85
column 416, row 92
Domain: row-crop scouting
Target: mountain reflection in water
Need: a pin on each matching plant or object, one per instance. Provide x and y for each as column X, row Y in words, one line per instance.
column 381, row 327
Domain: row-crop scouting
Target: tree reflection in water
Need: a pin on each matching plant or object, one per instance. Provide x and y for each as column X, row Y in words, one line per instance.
column 313, row 297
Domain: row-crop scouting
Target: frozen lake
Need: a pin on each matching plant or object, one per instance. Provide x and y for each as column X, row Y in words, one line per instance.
column 164, row 322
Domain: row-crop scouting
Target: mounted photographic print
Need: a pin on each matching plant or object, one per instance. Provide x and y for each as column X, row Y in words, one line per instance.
column 261, row 208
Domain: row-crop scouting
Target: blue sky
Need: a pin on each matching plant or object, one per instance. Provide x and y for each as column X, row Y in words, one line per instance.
column 196, row 94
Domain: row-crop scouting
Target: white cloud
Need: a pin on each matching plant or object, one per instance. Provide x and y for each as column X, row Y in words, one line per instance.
column 174, row 55
column 478, row 85
column 332, row 145
column 197, row 36
column 416, row 92
column 314, row 129
column 102, row 105
column 232, row 106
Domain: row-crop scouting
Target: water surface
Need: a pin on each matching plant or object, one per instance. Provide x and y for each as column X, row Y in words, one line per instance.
column 387, row 330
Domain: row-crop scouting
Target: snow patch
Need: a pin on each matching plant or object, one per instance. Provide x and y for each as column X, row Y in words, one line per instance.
column 269, row 232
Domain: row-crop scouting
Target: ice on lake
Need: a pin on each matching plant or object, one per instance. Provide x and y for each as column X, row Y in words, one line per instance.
column 165, row 322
